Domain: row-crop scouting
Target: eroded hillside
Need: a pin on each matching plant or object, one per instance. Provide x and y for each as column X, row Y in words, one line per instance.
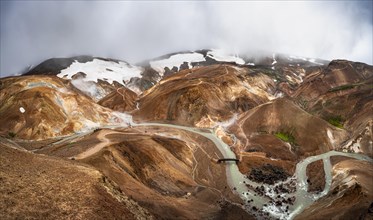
column 149, row 141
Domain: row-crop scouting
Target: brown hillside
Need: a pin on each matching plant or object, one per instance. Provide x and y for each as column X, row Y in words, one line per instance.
column 204, row 95
column 39, row 107
column 40, row 187
column 257, row 128
column 122, row 99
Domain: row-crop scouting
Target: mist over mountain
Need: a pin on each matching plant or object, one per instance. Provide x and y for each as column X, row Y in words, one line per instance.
column 31, row 32
column 193, row 135
column 186, row 110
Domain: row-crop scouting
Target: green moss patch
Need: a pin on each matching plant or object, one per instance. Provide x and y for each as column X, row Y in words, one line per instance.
column 337, row 121
column 285, row 136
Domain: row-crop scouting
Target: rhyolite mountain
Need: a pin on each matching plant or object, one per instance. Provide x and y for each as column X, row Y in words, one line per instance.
column 97, row 138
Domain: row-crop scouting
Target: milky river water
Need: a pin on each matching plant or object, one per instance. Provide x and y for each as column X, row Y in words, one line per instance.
column 239, row 182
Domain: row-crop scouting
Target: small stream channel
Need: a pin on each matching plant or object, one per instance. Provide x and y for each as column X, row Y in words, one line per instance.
column 262, row 205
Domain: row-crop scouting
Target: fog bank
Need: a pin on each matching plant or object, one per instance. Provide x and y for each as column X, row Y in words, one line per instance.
column 31, row 32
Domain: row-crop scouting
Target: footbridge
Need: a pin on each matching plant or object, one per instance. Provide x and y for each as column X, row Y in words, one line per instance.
column 228, row 159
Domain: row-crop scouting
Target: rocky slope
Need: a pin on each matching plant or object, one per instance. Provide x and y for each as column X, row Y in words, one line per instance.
column 351, row 194
column 45, row 106
column 204, row 95
column 274, row 112
column 34, row 186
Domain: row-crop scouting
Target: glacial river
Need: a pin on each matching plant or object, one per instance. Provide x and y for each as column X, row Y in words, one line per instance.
column 238, row 181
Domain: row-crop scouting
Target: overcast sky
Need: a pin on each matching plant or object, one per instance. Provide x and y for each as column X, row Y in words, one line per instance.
column 32, row 31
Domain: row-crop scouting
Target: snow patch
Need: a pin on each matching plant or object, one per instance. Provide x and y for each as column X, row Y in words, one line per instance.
column 298, row 58
column 314, row 61
column 221, row 55
column 274, row 59
column 311, row 60
column 176, row 60
column 22, row 110
column 109, row 71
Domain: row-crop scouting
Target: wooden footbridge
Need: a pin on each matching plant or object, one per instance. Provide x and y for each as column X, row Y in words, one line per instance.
column 227, row 159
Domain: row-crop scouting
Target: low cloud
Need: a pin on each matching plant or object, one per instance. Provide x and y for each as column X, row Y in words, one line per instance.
column 135, row 31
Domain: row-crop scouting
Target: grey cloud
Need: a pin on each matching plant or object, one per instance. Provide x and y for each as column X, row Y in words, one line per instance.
column 133, row 31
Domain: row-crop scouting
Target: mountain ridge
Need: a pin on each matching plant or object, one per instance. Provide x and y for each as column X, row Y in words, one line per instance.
column 153, row 135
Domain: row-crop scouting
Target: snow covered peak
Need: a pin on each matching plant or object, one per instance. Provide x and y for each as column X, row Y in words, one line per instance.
column 176, row 60
column 106, row 70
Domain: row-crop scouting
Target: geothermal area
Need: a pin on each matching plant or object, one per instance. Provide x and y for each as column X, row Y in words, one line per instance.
column 191, row 135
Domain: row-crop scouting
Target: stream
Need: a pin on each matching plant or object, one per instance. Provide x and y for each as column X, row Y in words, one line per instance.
column 263, row 203
column 239, row 182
